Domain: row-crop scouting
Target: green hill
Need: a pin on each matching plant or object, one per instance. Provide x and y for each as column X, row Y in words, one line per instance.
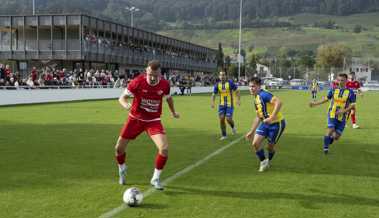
column 304, row 36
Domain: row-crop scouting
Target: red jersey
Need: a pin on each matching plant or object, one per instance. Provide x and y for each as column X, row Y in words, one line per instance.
column 334, row 84
column 147, row 102
column 353, row 84
column 34, row 75
column 8, row 72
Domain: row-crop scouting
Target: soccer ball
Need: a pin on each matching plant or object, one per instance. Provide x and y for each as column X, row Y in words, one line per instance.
column 132, row 197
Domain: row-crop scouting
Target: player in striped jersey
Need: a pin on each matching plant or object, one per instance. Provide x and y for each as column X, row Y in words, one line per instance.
column 342, row 101
column 229, row 97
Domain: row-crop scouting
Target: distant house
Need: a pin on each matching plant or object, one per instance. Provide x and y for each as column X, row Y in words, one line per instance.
column 263, row 71
column 363, row 72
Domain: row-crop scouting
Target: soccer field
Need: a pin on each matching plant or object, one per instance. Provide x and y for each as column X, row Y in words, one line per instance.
column 57, row 160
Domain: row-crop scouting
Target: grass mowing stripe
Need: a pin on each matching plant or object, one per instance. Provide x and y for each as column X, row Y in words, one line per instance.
column 150, row 191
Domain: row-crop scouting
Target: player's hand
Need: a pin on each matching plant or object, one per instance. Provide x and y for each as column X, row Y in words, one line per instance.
column 339, row 112
column 127, row 106
column 176, row 115
column 268, row 120
column 212, row 105
column 249, row 136
column 238, row 102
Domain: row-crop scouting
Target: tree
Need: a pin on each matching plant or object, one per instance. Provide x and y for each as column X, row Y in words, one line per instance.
column 220, row 57
column 252, row 65
column 228, row 62
column 333, row 57
column 233, row 70
column 357, row 28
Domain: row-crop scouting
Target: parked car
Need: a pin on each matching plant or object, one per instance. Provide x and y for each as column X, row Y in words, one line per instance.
column 299, row 84
column 273, row 83
column 370, row 86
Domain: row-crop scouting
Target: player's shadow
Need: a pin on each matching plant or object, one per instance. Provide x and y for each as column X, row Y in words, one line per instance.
column 308, row 201
column 304, row 154
column 152, row 206
column 36, row 156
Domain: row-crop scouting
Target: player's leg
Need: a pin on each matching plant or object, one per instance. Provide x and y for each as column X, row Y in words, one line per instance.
column 120, row 157
column 131, row 130
column 158, row 135
column 338, row 130
column 221, row 116
column 229, row 119
column 275, row 132
column 260, row 135
column 328, row 139
column 161, row 142
column 353, row 119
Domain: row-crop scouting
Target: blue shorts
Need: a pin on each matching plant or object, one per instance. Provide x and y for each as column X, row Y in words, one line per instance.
column 271, row 131
column 337, row 125
column 225, row 111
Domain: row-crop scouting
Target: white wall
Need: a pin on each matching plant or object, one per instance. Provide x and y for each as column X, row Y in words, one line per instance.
column 14, row 97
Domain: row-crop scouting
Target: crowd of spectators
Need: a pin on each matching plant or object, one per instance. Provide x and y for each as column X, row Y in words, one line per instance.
column 93, row 39
column 49, row 77
column 53, row 77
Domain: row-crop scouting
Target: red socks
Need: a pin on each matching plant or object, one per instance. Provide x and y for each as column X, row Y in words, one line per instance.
column 120, row 158
column 353, row 118
column 160, row 161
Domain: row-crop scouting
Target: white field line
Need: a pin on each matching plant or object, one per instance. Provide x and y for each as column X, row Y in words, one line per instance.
column 189, row 168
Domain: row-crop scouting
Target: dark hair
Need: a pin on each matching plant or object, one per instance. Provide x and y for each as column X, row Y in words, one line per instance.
column 154, row 65
column 352, row 73
column 255, row 80
column 343, row 75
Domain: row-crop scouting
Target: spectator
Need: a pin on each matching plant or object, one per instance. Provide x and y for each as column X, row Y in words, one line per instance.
column 30, row 82
column 2, row 72
column 34, row 74
column 8, row 72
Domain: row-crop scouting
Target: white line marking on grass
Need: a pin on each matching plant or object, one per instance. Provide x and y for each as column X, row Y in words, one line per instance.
column 189, row 168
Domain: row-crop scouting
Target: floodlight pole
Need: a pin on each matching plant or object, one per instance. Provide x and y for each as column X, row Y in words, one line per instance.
column 132, row 10
column 34, row 7
column 239, row 43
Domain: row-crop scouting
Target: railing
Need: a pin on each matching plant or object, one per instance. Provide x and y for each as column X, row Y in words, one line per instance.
column 57, row 87
column 95, row 51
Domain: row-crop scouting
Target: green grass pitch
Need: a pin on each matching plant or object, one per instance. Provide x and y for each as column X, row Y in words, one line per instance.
column 57, row 160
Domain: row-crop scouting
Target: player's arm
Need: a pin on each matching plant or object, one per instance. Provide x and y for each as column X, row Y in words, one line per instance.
column 352, row 100
column 346, row 110
column 324, row 100
column 359, row 92
column 316, row 103
column 249, row 135
column 124, row 99
column 213, row 99
column 277, row 106
column 170, row 103
column 238, row 94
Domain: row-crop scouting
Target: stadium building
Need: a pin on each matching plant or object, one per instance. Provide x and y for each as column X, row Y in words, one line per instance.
column 85, row 41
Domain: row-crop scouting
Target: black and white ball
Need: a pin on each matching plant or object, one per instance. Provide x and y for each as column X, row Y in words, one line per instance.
column 132, row 197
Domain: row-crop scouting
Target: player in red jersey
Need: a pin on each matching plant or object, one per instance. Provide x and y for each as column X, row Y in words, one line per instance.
column 148, row 90
column 356, row 87
column 334, row 84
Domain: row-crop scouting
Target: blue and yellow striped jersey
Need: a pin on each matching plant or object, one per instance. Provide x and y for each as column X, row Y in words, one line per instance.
column 227, row 92
column 340, row 99
column 264, row 107
column 314, row 86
